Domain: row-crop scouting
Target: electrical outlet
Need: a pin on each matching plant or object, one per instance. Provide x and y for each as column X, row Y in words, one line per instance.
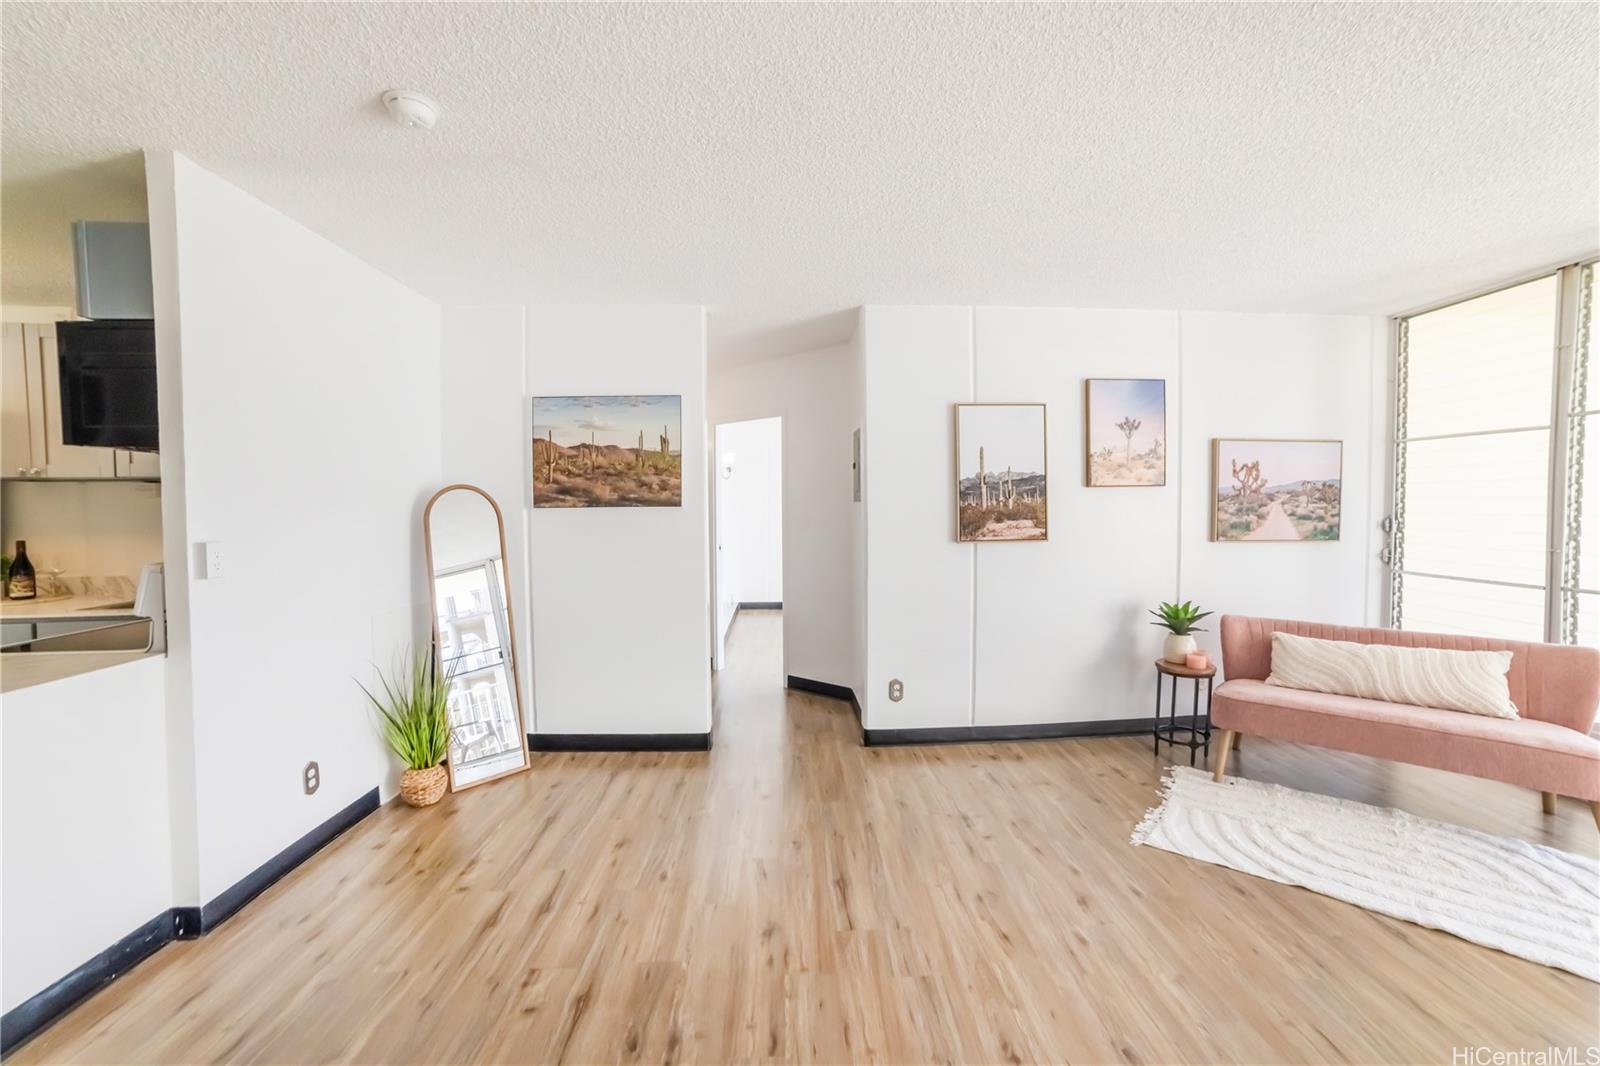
column 311, row 776
column 897, row 690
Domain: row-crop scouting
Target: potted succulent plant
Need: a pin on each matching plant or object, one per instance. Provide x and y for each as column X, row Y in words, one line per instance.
column 414, row 717
column 1179, row 620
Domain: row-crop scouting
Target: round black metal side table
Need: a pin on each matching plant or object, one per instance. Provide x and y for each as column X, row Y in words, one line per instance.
column 1196, row 736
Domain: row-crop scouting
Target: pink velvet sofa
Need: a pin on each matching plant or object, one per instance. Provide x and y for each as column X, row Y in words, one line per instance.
column 1556, row 690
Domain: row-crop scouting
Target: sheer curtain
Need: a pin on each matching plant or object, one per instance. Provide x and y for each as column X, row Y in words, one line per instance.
column 1580, row 576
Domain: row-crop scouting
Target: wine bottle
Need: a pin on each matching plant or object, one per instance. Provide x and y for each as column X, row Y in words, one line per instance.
column 19, row 582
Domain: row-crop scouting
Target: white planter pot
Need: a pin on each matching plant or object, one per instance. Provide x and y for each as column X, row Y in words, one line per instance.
column 1177, row 648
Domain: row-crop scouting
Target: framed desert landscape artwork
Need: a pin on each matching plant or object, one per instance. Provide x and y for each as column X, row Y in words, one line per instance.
column 1125, row 432
column 1276, row 489
column 607, row 451
column 1001, row 491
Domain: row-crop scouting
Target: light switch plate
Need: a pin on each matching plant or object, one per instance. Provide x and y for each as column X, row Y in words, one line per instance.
column 211, row 560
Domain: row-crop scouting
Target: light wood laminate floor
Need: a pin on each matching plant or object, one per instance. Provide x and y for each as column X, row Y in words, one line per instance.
column 794, row 896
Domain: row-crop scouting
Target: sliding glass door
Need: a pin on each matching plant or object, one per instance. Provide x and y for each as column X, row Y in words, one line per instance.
column 1490, row 438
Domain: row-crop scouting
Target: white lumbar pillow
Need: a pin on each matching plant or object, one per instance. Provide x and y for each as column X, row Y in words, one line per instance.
column 1471, row 681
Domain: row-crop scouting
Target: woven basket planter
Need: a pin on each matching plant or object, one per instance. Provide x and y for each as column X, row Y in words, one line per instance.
column 424, row 788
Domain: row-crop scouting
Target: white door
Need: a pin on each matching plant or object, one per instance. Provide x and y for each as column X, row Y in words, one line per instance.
column 727, row 568
column 61, row 459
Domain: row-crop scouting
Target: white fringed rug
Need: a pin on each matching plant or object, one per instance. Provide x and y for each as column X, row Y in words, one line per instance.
column 1523, row 899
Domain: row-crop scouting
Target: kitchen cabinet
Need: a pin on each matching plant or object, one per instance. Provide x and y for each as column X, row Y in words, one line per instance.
column 21, row 428
column 31, row 444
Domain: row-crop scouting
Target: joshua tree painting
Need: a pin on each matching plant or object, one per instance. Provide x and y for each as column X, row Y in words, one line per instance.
column 1125, row 432
column 607, row 451
column 1000, row 472
column 1277, row 489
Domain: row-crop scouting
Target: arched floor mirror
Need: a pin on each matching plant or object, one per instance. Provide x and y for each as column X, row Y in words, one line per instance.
column 474, row 634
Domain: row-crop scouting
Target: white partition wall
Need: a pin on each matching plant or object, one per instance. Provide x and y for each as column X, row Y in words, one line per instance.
column 1297, row 376
column 88, row 856
column 612, row 610
column 1037, row 633
column 300, row 431
column 619, row 595
column 920, row 582
column 1059, row 627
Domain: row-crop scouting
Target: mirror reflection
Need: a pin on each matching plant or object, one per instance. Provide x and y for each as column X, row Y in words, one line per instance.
column 474, row 636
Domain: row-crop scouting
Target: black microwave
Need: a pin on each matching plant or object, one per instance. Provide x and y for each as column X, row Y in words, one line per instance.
column 108, row 384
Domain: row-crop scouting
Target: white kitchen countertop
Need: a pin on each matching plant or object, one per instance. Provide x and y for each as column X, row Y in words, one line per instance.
column 102, row 597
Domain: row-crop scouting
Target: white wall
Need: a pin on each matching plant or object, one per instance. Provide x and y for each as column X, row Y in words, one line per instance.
column 611, row 602
column 300, row 428
column 1055, row 631
column 484, row 440
column 754, row 506
column 85, row 528
column 920, row 581
column 818, row 394
column 1061, row 633
column 1296, row 376
column 621, row 594
column 87, row 847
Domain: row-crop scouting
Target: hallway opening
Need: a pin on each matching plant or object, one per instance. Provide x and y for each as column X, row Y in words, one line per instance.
column 747, row 526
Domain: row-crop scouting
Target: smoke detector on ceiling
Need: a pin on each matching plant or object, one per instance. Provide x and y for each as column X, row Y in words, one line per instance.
column 411, row 108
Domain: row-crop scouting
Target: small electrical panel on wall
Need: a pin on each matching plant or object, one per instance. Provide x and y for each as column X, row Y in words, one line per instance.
column 897, row 690
column 855, row 464
column 311, row 777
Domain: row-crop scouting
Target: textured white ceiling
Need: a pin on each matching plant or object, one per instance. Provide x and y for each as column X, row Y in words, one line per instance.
column 782, row 163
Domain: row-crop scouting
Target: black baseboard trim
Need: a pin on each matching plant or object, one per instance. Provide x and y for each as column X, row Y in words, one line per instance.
column 761, row 605
column 31, row 1017
column 267, row 874
column 821, row 688
column 619, row 741
column 826, row 688
column 967, row 734
column 36, row 1013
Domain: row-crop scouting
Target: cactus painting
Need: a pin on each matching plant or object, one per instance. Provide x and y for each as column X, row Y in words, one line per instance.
column 1276, row 489
column 590, row 451
column 1000, row 472
column 1125, row 432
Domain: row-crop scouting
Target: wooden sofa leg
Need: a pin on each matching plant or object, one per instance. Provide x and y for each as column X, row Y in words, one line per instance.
column 1225, row 745
column 1549, row 802
column 1596, row 808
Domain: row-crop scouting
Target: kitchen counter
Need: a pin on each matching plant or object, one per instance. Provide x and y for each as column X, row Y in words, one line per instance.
column 25, row 670
column 106, row 597
column 69, row 609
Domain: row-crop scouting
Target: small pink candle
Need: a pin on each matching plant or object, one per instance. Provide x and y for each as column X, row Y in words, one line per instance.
column 1197, row 660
